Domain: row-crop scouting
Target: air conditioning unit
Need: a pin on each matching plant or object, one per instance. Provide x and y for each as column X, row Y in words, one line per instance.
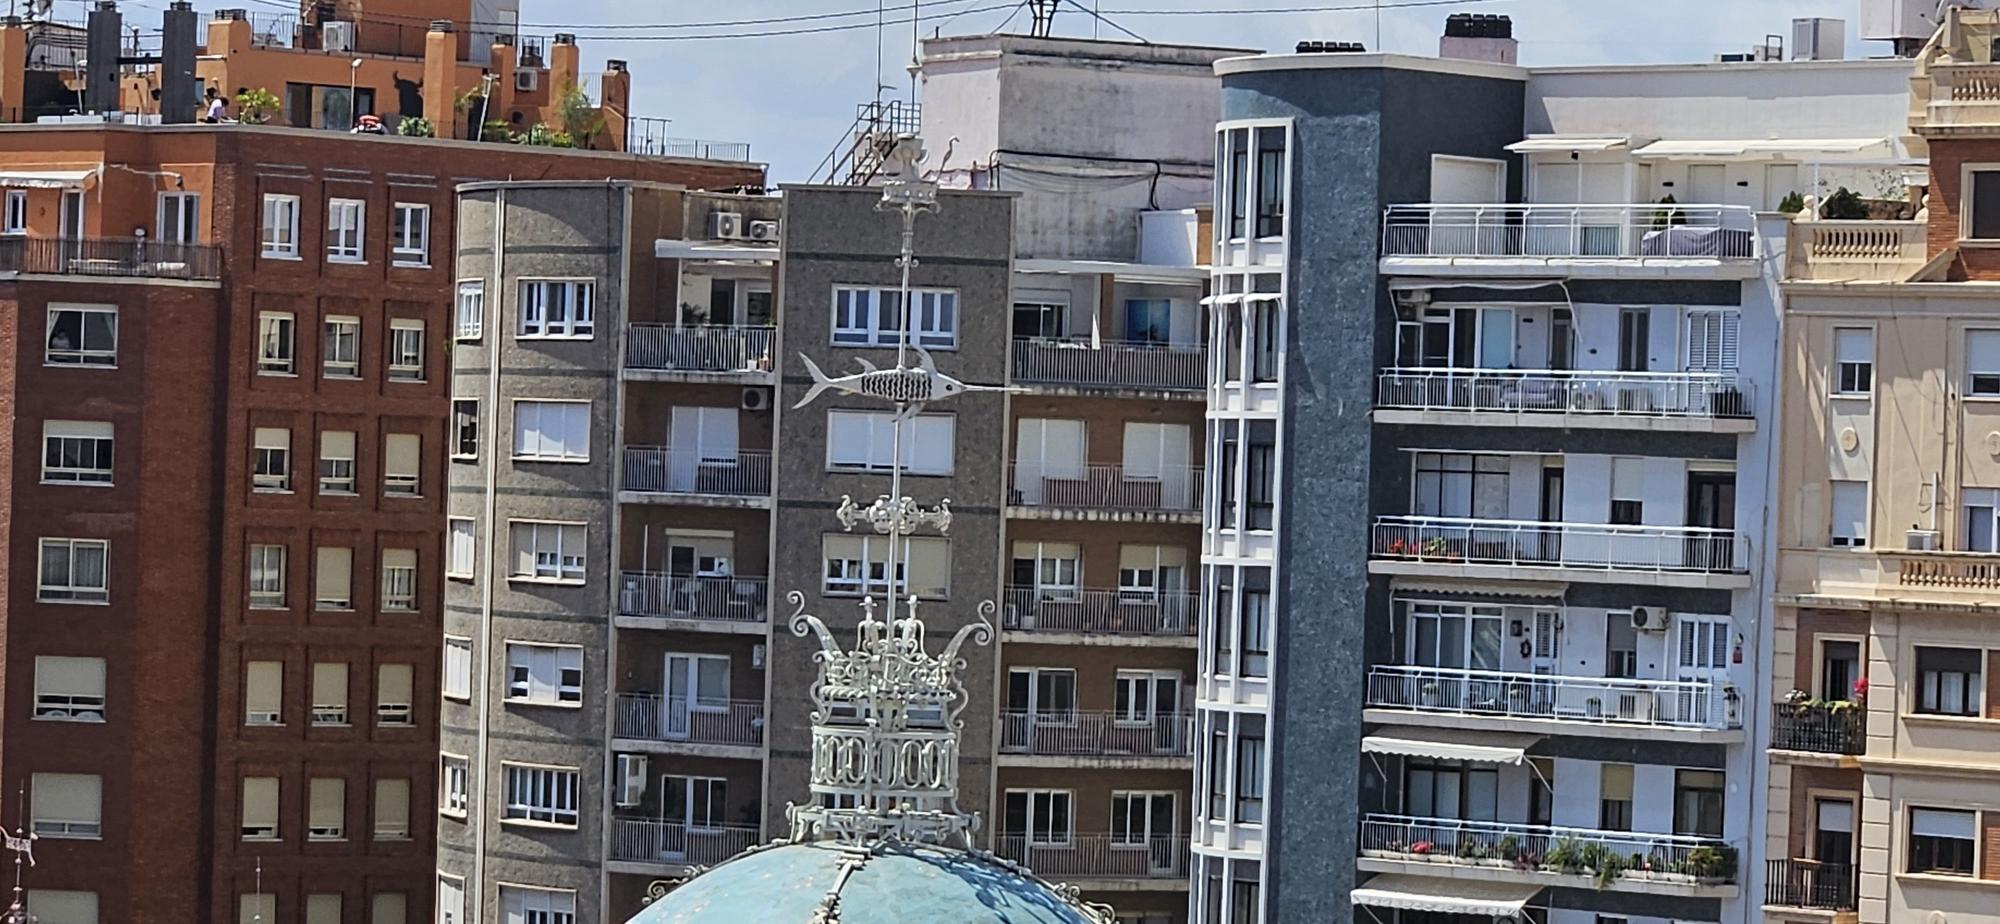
column 764, row 231
column 527, row 81
column 337, row 36
column 1649, row 618
column 1921, row 540
column 725, row 226
column 756, row 398
column 631, row 779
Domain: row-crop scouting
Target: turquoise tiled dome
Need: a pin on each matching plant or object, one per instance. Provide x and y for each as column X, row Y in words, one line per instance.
column 895, row 884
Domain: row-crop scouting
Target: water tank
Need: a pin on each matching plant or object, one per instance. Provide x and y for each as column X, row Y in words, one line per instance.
column 1819, row 39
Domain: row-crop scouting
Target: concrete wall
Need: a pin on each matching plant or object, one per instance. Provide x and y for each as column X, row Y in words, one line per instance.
column 1793, row 99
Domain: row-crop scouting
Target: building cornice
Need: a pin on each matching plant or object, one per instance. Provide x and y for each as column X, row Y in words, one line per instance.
column 1366, row 61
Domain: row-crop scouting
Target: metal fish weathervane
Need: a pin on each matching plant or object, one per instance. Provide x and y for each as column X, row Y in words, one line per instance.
column 914, row 386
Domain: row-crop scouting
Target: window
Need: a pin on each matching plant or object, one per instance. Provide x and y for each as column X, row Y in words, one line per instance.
column 1983, row 216
column 82, row 336
column 1270, row 182
column 471, row 309
column 66, row 805
column 72, row 571
column 859, row 564
column 1460, row 485
column 274, row 343
column 1948, row 681
column 547, row 551
column 264, row 693
column 457, row 667
column 1264, row 330
column 1048, row 570
column 69, row 689
column 323, row 908
column 537, row 906
column 1713, row 339
column 1038, row 816
column 552, row 431
column 1043, row 692
column 389, row 908
column 399, row 580
column 1456, row 635
column 556, row 308
column 340, row 352
column 402, row 457
column 281, row 226
column 1982, row 513
column 1853, row 361
column 410, row 236
column 326, row 809
column 1236, row 143
column 76, row 452
column 1451, row 790
column 333, row 578
column 1635, row 339
column 544, row 674
column 15, row 220
column 1261, row 477
column 267, row 575
column 540, row 794
column 1698, row 802
column 465, row 428
column 406, row 350
column 395, row 691
column 1982, row 363
column 1254, row 623
column 1942, row 841
column 1218, row 769
column 1628, row 486
column 1250, row 770
column 329, row 693
column 51, row 906
column 1849, row 522
column 463, row 549
column 272, row 466
column 336, row 462
column 345, row 223
column 179, row 218
column 256, row 908
column 873, row 317
column 1614, row 807
column 452, row 773
column 866, row 440
column 451, row 899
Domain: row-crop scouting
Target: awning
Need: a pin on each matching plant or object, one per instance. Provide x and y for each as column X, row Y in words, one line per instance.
column 1540, row 590
column 1765, row 147
column 45, row 179
column 1565, row 143
column 1450, row 744
column 1448, row 896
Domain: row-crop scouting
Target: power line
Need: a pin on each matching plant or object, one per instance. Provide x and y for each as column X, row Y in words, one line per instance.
column 1343, row 8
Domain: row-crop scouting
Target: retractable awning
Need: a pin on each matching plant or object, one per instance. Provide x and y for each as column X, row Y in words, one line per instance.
column 1446, row 896
column 1543, row 144
column 1539, row 590
column 1450, row 744
column 44, row 179
column 1765, row 147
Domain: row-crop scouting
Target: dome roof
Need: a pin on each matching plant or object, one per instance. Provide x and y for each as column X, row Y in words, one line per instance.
column 886, row 884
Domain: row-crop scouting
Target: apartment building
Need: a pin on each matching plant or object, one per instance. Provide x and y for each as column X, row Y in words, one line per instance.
column 1501, row 358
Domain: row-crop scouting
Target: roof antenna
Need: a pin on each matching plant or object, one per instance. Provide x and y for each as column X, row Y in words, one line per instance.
column 1044, row 12
column 916, row 47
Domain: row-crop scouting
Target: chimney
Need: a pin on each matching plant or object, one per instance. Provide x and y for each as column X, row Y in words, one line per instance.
column 13, row 68
column 563, row 64
column 1480, row 37
column 440, row 92
column 614, row 91
column 1331, row 48
column 229, row 32
column 177, row 83
column 103, row 41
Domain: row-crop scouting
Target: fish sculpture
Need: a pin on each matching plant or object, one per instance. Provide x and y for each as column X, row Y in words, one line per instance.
column 914, row 386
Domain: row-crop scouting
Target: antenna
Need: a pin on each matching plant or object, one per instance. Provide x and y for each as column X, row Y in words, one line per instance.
column 879, row 34
column 1044, row 12
column 916, row 47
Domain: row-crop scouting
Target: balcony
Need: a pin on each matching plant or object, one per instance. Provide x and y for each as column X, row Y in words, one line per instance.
column 668, row 843
column 1856, row 251
column 739, row 603
column 1104, row 492
column 664, row 352
column 647, row 136
column 1614, row 707
column 122, row 257
column 1093, row 738
column 1962, row 96
column 1626, row 861
column 1100, row 856
column 1819, row 729
column 1576, row 240
column 721, row 728
column 1686, row 556
column 1808, row 884
column 1110, row 366
column 1967, row 580
column 1120, row 613
column 659, row 473
column 1708, row 402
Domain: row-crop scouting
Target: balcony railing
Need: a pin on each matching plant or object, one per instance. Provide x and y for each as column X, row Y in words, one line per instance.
column 648, row 136
column 660, row 470
column 1095, row 734
column 1809, row 884
column 645, row 840
column 1525, row 543
column 682, row 596
column 666, row 348
column 1099, row 856
column 1818, row 729
column 1105, row 612
column 1866, row 251
column 1578, row 232
column 1964, row 94
column 1108, row 364
column 109, row 256
column 1605, row 856
column 651, row 717
column 1595, row 700
column 1166, row 489
column 1542, row 391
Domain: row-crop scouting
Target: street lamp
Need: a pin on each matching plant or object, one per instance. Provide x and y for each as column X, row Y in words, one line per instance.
column 353, row 71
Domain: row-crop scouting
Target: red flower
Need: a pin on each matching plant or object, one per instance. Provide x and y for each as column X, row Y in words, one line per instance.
column 1420, row 848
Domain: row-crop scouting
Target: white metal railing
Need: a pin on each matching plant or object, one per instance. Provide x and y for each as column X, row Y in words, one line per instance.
column 1580, row 851
column 1110, row 364
column 665, row 347
column 1615, row 394
column 1171, row 488
column 1099, row 856
column 661, row 470
column 683, row 596
column 646, row 840
column 653, row 717
column 1558, row 545
column 1508, row 695
column 1095, row 734
column 1721, row 232
column 1110, row 612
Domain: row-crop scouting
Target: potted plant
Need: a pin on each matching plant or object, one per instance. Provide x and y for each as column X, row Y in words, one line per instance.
column 1792, row 204
column 1594, row 707
column 256, row 107
column 1429, row 693
column 1843, row 205
column 416, row 127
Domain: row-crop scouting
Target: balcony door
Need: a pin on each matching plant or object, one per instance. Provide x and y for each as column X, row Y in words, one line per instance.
column 1839, row 669
column 1044, row 695
column 1711, row 504
column 1468, row 181
column 696, row 685
column 1048, row 456
column 699, row 438
column 1701, row 656
column 1161, row 322
column 1833, row 831
column 691, row 807
column 70, row 223
column 1148, row 705
column 1043, row 319
column 1147, row 820
column 1159, row 454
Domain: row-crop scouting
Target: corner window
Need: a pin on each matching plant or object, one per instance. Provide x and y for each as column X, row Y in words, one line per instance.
column 557, row 309
column 1250, row 770
column 410, row 237
column 1982, row 218
column 1236, row 154
column 537, row 906
column 280, row 231
column 1949, row 681
column 1039, row 817
column 471, row 309
column 1982, row 519
column 82, row 336
column 345, row 230
column 1942, row 841
column 76, row 452
column 73, row 571
column 1853, row 361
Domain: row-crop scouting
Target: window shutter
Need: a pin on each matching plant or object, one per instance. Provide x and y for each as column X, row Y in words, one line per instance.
column 389, row 908
column 399, row 558
column 70, row 676
column 323, row 908
column 256, row 908
column 1982, row 351
column 458, row 667
column 847, row 438
column 333, row 578
column 1143, row 450
column 86, row 429
column 329, row 684
column 463, row 548
column 56, row 907
column 403, row 454
column 1617, row 782
column 392, row 808
column 930, row 566
column 260, row 802
column 930, row 444
column 336, row 444
column 274, row 438
column 264, row 688
column 1138, row 557
column 72, row 797
column 1853, row 345
column 1941, row 823
column 328, row 803
column 394, row 684
column 842, row 547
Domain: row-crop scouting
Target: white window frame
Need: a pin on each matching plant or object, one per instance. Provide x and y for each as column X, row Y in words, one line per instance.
column 82, row 354
column 577, row 303
column 560, row 571
column 1048, row 836
column 270, row 463
column 526, row 688
column 330, row 466
column 533, row 904
column 185, row 207
column 464, row 429
column 406, row 359
column 1862, row 368
column 272, row 592
column 340, row 347
column 456, row 682
column 399, row 582
column 877, row 455
column 15, row 221
column 454, row 782
column 277, row 343
column 94, row 438
column 856, row 317
column 857, row 577
column 400, row 712
column 80, row 828
column 1981, row 383
column 71, row 592
column 547, row 450
column 461, row 561
column 469, row 309
column 278, row 231
column 539, row 795
column 346, row 230
column 410, row 235
column 77, row 704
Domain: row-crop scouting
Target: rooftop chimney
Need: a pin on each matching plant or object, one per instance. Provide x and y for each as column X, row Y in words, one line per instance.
column 1480, row 37
column 1331, row 48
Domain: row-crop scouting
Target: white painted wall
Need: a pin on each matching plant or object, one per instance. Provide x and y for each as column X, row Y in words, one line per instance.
column 1832, row 99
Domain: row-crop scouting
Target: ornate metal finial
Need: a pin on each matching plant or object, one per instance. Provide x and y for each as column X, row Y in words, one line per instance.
column 887, row 516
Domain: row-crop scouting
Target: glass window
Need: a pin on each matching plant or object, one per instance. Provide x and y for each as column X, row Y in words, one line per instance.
column 471, row 309
column 540, row 794
column 406, row 350
column 547, row 551
column 76, row 452
column 399, row 580
column 1270, row 182
column 280, row 231
column 336, row 462
column 15, row 221
column 410, row 238
column 867, row 439
column 552, row 431
column 82, row 336
column 73, row 571
column 557, row 309
column 69, row 689
column 275, row 343
column 1854, row 359
column 340, row 350
column 544, row 674
column 1949, row 681
column 1982, row 363
column 465, row 428
column 267, row 575
column 1942, row 840
column 1461, row 485
column 1983, row 222
column 859, row 564
column 867, row 316
column 345, row 230
column 1698, row 802
column 1982, row 507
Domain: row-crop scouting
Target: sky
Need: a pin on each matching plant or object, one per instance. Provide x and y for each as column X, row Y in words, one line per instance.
column 793, row 97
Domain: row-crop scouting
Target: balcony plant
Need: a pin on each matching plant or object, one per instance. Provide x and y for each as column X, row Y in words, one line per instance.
column 1792, row 204
column 256, row 107
column 1711, row 862
column 1844, row 205
column 416, row 127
